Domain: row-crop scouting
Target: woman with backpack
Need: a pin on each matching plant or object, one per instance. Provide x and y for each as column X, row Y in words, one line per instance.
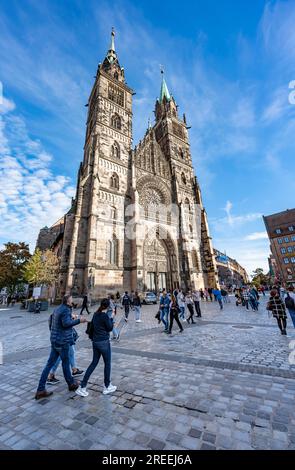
column 99, row 333
column 290, row 303
column 277, row 307
column 174, row 311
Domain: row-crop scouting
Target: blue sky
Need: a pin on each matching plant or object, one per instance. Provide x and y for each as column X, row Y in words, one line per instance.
column 227, row 63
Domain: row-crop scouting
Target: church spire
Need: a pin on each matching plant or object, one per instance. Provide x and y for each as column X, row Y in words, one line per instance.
column 112, row 48
column 164, row 89
column 111, row 55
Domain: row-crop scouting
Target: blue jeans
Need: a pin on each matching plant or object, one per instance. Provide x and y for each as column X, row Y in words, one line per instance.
column 100, row 348
column 137, row 312
column 182, row 312
column 71, row 359
column 220, row 303
column 292, row 315
column 57, row 351
column 164, row 316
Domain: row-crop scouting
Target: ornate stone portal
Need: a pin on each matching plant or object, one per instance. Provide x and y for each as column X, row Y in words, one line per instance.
column 137, row 221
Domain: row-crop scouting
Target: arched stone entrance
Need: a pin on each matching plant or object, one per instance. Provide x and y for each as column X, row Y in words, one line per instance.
column 160, row 263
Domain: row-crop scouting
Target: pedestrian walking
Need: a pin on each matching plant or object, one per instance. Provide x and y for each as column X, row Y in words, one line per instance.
column 126, row 303
column 102, row 325
column 190, row 305
column 218, row 297
column 84, row 305
column 112, row 312
column 61, row 338
column 174, row 311
column 137, row 307
column 164, row 310
column 277, row 307
column 290, row 303
column 181, row 304
column 245, row 298
column 196, row 299
column 206, row 294
column 210, row 291
column 52, row 380
column 201, row 293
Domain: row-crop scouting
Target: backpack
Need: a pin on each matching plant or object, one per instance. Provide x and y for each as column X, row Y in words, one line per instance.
column 90, row 329
column 126, row 300
column 289, row 302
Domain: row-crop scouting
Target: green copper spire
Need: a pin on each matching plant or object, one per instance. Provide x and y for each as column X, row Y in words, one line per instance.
column 164, row 89
column 112, row 48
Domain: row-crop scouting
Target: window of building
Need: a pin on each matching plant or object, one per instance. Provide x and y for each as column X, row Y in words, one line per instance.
column 283, row 250
column 278, row 230
column 293, row 238
column 181, row 153
column 292, row 259
column 286, row 239
column 183, row 178
column 116, row 121
column 291, row 228
column 114, row 181
column 113, row 213
column 187, row 204
column 280, row 240
column 116, row 75
column 113, row 251
column 116, row 94
column 286, row 260
column 290, row 249
column 115, row 150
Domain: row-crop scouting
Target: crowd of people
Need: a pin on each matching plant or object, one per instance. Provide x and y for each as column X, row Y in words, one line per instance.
column 174, row 308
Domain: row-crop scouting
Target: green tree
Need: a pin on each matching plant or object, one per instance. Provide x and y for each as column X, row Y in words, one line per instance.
column 42, row 268
column 12, row 260
column 259, row 278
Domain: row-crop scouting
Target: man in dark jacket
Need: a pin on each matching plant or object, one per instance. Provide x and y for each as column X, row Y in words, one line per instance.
column 126, row 303
column 61, row 338
column 85, row 305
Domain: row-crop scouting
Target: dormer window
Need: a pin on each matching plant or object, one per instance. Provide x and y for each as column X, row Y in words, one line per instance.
column 278, row 231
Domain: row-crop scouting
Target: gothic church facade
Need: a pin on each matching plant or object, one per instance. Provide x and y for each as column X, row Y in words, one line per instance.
column 137, row 221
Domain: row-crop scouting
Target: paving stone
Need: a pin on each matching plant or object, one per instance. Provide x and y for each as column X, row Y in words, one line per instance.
column 206, row 446
column 154, row 444
column 195, row 433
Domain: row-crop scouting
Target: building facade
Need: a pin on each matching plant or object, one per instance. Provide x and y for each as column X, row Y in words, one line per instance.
column 230, row 272
column 137, row 221
column 281, row 232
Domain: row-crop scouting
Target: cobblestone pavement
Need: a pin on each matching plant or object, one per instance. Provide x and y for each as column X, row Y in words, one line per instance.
column 224, row 383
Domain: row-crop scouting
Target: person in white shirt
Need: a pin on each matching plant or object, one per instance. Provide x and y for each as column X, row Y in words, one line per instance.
column 196, row 299
column 181, row 304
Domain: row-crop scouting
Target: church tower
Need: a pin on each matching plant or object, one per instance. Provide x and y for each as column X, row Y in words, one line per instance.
column 178, row 250
column 98, row 255
column 137, row 221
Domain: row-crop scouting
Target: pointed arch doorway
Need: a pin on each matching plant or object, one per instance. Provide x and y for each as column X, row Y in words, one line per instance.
column 159, row 264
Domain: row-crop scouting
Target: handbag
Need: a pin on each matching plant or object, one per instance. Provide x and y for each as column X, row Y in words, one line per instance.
column 90, row 329
column 157, row 316
column 75, row 335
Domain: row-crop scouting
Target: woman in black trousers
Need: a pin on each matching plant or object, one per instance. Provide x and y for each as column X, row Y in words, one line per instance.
column 174, row 309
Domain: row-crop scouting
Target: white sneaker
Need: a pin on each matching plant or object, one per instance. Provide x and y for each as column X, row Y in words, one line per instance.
column 82, row 391
column 138, row 321
column 110, row 389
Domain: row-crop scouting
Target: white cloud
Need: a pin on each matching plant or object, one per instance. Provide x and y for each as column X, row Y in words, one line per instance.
column 256, row 236
column 30, row 195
